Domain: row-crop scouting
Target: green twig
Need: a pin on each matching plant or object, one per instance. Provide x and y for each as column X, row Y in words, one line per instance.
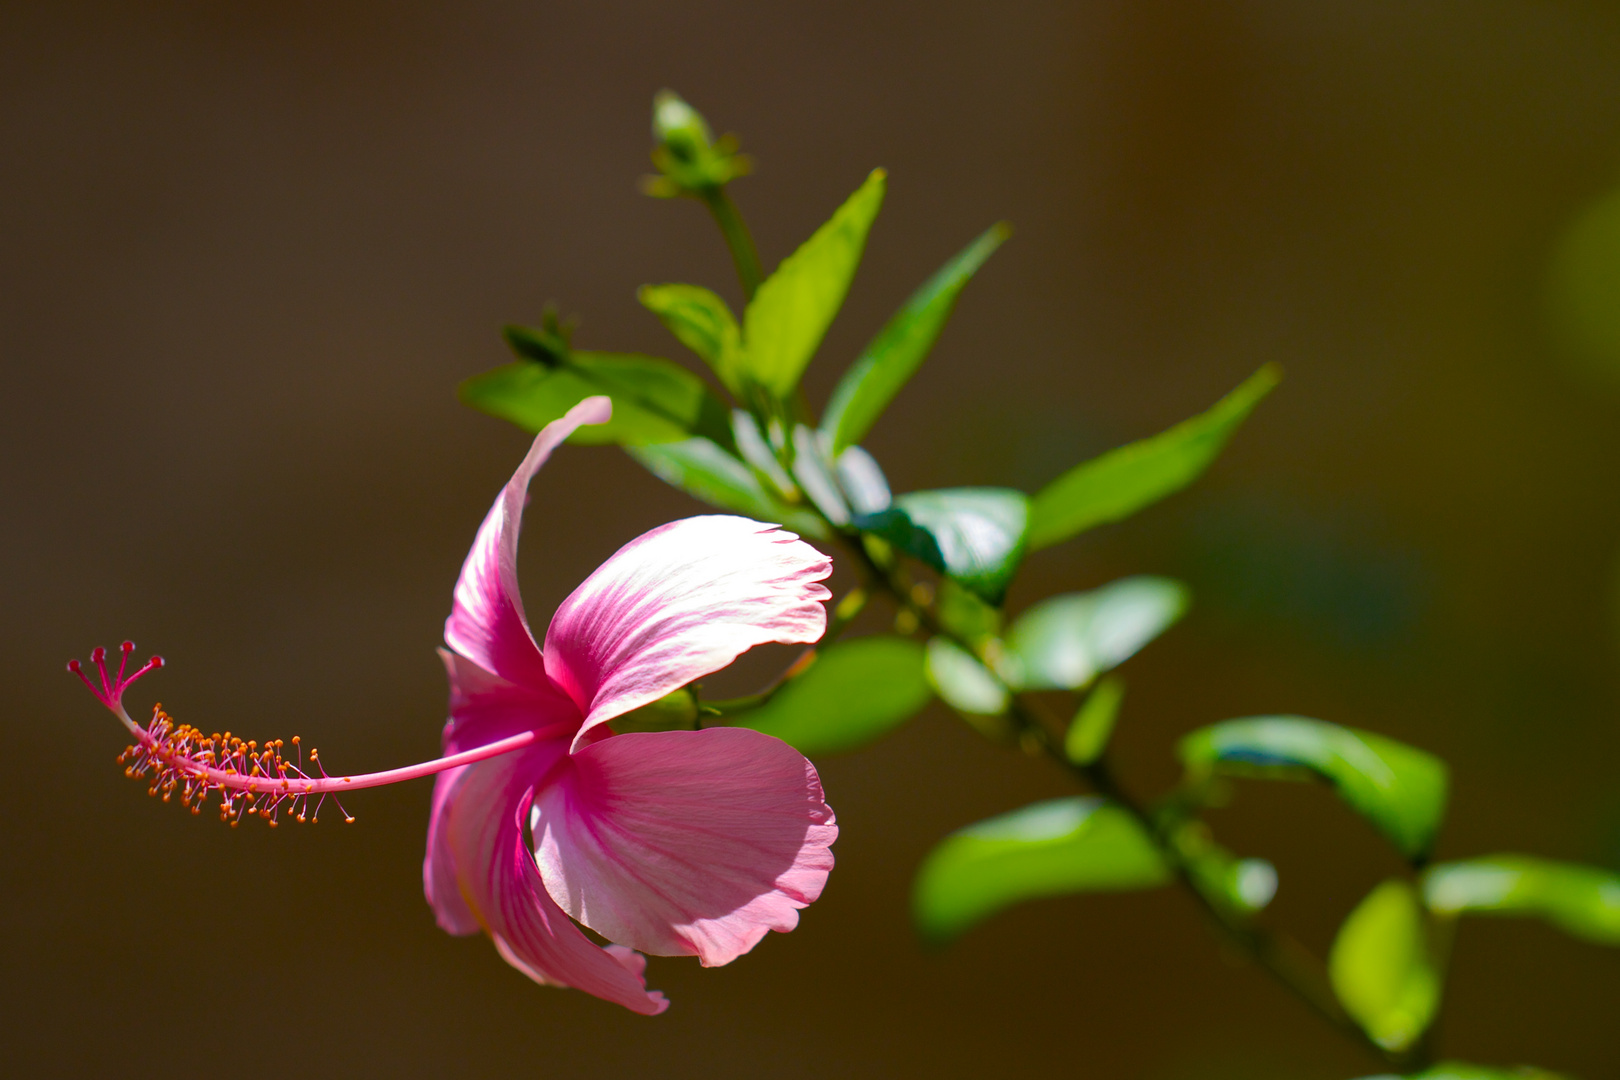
column 1287, row 961
column 1278, row 954
column 738, row 239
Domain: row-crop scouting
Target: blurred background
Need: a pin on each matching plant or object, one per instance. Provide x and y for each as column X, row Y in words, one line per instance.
column 247, row 250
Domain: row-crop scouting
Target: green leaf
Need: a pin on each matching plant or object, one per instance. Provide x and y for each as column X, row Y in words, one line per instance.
column 886, row 364
column 703, row 323
column 1383, row 969
column 965, row 684
column 1094, row 723
column 853, row 693
column 965, row 615
column 790, row 313
column 702, row 469
column 654, row 400
column 1051, row 848
column 1398, row 788
column 974, row 536
column 1123, row 481
column 1065, row 642
column 1456, row 1070
column 675, row 711
column 1242, row 887
column 1581, row 900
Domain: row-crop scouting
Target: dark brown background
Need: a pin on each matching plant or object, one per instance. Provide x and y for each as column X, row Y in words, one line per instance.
column 246, row 251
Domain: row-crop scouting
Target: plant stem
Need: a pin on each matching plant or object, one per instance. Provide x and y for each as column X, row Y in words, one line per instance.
column 738, row 239
column 1282, row 957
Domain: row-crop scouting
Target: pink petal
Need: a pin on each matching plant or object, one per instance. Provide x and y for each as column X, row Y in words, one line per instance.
column 497, row 878
column 685, row 842
column 678, row 603
column 439, row 881
column 483, row 709
column 486, row 622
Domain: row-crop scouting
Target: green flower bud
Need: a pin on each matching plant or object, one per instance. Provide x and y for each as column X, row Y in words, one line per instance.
column 690, row 160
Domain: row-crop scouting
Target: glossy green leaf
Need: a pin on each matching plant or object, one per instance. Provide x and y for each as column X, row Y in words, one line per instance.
column 1456, row 1070
column 965, row 684
column 974, row 536
column 654, row 400
column 1052, row 848
column 703, row 323
column 1383, row 969
column 789, row 315
column 855, row 692
column 1066, row 641
column 704, row 470
column 1093, row 725
column 886, row 364
column 1581, row 900
column 1123, row 481
column 1399, row 789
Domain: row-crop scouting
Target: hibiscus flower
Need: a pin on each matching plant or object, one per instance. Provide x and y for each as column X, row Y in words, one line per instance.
column 673, row 843
column 677, row 843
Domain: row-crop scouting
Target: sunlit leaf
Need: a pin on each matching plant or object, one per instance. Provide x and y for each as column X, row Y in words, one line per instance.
column 1582, row 900
column 1089, row 732
column 704, row 470
column 1066, row 641
column 855, row 692
column 1399, row 789
column 965, row 684
column 1382, row 967
column 1123, row 481
column 654, row 400
column 790, row 313
column 974, row 536
column 703, row 323
column 1051, row 848
column 889, row 361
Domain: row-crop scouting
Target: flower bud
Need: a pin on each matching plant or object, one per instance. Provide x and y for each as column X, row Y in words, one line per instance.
column 690, row 160
column 678, row 127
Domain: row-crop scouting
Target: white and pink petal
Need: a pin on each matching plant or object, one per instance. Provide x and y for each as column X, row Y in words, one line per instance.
column 685, row 842
column 678, row 603
column 482, row 836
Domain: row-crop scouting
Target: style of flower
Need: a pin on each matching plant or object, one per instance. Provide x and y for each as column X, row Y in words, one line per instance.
column 674, row 843
column 671, row 843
